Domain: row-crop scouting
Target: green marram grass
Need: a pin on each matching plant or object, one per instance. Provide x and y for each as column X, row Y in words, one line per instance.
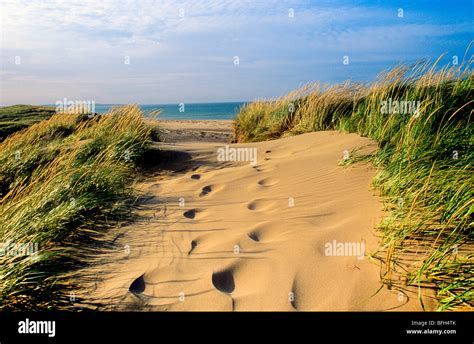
column 60, row 180
column 425, row 162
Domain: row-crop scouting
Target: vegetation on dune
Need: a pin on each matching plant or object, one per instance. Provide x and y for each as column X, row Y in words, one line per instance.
column 17, row 117
column 425, row 158
column 63, row 177
column 60, row 180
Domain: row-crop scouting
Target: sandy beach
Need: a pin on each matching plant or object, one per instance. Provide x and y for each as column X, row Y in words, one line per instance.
column 194, row 130
column 294, row 231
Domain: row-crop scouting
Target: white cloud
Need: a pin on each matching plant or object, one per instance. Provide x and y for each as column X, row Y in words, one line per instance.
column 84, row 42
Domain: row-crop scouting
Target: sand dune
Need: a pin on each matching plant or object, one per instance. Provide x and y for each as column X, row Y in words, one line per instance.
column 234, row 236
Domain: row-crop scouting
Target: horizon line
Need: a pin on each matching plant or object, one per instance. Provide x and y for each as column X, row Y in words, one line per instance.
column 132, row 103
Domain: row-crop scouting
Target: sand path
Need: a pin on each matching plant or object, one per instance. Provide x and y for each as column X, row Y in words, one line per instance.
column 232, row 236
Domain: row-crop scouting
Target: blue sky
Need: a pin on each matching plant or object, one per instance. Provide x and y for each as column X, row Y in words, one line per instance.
column 184, row 51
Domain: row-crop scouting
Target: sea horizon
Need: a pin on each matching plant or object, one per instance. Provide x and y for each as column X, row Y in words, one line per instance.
column 183, row 111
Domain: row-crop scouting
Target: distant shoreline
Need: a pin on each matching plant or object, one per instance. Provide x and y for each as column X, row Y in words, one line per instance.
column 168, row 120
column 182, row 111
column 192, row 130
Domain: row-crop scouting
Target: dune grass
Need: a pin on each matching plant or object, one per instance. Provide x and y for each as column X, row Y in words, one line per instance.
column 17, row 117
column 61, row 181
column 425, row 161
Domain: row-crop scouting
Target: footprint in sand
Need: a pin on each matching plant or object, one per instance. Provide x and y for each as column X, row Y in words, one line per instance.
column 260, row 204
column 193, row 246
column 137, row 286
column 196, row 176
column 224, row 281
column 206, row 190
column 210, row 188
column 267, row 152
column 268, row 181
column 295, row 295
column 242, row 279
column 190, row 214
column 264, row 232
column 254, row 236
column 263, row 168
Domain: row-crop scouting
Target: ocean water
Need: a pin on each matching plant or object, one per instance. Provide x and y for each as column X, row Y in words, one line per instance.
column 188, row 111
